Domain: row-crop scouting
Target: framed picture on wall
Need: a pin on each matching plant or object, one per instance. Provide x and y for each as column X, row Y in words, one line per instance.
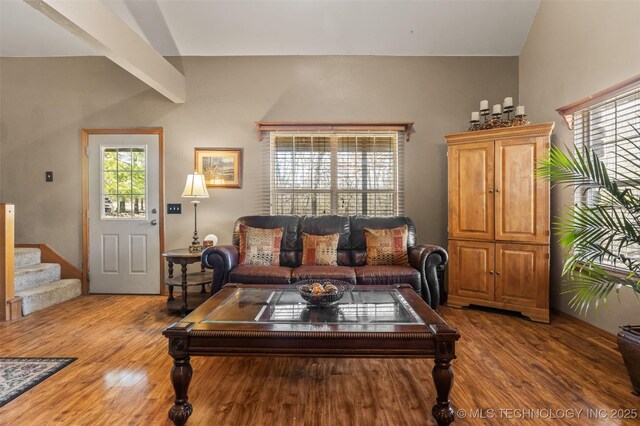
column 221, row 167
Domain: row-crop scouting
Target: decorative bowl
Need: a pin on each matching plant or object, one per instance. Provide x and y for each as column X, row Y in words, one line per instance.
column 332, row 291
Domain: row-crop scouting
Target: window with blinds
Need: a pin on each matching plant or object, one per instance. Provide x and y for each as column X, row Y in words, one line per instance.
column 336, row 173
column 608, row 129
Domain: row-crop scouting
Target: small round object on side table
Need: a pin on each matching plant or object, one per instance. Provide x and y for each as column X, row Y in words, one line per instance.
column 210, row 240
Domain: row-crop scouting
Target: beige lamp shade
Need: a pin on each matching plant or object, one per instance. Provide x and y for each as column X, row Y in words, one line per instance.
column 195, row 186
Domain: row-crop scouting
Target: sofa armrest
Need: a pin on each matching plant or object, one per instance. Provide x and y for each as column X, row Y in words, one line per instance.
column 221, row 259
column 430, row 260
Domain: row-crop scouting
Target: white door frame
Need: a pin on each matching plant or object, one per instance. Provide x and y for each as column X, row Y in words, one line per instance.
column 85, row 195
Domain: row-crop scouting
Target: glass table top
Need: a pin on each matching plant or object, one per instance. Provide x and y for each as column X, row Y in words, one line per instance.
column 286, row 306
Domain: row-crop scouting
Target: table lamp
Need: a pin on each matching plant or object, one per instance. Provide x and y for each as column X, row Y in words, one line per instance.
column 195, row 188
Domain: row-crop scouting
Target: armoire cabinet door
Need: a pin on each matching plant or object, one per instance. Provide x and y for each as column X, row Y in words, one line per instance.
column 522, row 212
column 471, row 191
column 522, row 273
column 471, row 269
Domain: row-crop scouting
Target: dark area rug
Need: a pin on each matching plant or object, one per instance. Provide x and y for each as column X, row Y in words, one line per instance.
column 18, row 375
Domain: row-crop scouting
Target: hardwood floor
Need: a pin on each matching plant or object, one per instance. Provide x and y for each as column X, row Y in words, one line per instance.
column 122, row 374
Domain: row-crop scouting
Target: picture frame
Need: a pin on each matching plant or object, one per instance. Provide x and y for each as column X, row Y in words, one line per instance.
column 221, row 167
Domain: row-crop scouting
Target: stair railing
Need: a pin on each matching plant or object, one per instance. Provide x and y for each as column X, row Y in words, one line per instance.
column 10, row 306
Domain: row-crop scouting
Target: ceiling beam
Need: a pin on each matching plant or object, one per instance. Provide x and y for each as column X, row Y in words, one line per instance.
column 98, row 26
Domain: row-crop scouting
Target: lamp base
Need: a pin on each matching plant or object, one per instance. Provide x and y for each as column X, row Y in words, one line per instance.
column 195, row 248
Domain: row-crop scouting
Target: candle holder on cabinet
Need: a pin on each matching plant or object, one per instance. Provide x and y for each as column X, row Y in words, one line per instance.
column 498, row 120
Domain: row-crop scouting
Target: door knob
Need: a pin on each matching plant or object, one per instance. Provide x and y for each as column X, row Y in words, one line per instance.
column 154, row 211
column 154, row 222
column 491, row 272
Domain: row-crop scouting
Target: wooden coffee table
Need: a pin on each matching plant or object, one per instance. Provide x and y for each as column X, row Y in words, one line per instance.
column 369, row 321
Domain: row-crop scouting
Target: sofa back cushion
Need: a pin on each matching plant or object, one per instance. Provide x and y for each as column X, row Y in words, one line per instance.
column 351, row 244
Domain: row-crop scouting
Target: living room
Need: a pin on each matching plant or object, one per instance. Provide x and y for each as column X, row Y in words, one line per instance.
column 418, row 69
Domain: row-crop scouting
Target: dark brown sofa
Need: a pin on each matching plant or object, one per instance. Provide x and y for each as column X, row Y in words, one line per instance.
column 424, row 272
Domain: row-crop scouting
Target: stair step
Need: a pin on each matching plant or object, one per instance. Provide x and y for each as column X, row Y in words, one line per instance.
column 26, row 256
column 49, row 294
column 27, row 277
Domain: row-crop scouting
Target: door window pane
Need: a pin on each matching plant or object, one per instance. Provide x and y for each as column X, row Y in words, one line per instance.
column 138, row 182
column 110, row 159
column 138, row 160
column 124, row 183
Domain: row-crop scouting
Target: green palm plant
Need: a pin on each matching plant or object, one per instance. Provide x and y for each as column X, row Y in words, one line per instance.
column 606, row 231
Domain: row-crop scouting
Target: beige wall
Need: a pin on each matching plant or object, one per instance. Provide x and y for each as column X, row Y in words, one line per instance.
column 574, row 49
column 1, row 138
column 47, row 101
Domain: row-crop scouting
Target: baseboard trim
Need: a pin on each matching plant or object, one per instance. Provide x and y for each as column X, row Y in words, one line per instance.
column 14, row 308
column 595, row 330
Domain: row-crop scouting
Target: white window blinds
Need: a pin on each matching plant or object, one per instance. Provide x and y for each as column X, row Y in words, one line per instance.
column 608, row 129
column 336, row 173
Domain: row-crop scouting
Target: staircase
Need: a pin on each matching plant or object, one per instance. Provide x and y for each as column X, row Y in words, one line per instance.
column 39, row 284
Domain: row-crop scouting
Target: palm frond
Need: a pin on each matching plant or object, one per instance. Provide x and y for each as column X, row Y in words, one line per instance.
column 584, row 168
column 604, row 230
column 586, row 225
column 593, row 284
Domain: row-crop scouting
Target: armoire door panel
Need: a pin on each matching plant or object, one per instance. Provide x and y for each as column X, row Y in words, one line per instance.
column 521, row 273
column 471, row 272
column 471, row 203
column 521, row 199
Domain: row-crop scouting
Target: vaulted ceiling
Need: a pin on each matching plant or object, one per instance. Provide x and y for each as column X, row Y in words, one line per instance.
column 293, row 27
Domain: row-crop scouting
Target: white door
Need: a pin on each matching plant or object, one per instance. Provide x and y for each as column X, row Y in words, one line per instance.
column 123, row 213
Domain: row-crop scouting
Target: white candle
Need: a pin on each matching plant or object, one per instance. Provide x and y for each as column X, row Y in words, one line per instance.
column 508, row 102
column 520, row 110
column 497, row 109
column 475, row 116
column 484, row 105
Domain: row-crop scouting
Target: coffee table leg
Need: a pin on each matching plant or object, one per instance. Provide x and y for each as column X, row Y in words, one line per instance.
column 181, row 377
column 443, row 379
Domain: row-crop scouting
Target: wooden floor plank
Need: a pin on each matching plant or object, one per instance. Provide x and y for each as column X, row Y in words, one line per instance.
column 122, row 374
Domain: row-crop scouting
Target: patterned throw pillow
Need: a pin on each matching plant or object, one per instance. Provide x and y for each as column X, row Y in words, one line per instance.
column 320, row 249
column 259, row 246
column 387, row 246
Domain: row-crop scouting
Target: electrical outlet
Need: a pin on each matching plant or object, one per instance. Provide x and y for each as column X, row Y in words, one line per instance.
column 174, row 208
column 48, row 176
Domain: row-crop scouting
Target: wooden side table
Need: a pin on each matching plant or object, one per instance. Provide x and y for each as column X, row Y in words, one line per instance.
column 188, row 301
